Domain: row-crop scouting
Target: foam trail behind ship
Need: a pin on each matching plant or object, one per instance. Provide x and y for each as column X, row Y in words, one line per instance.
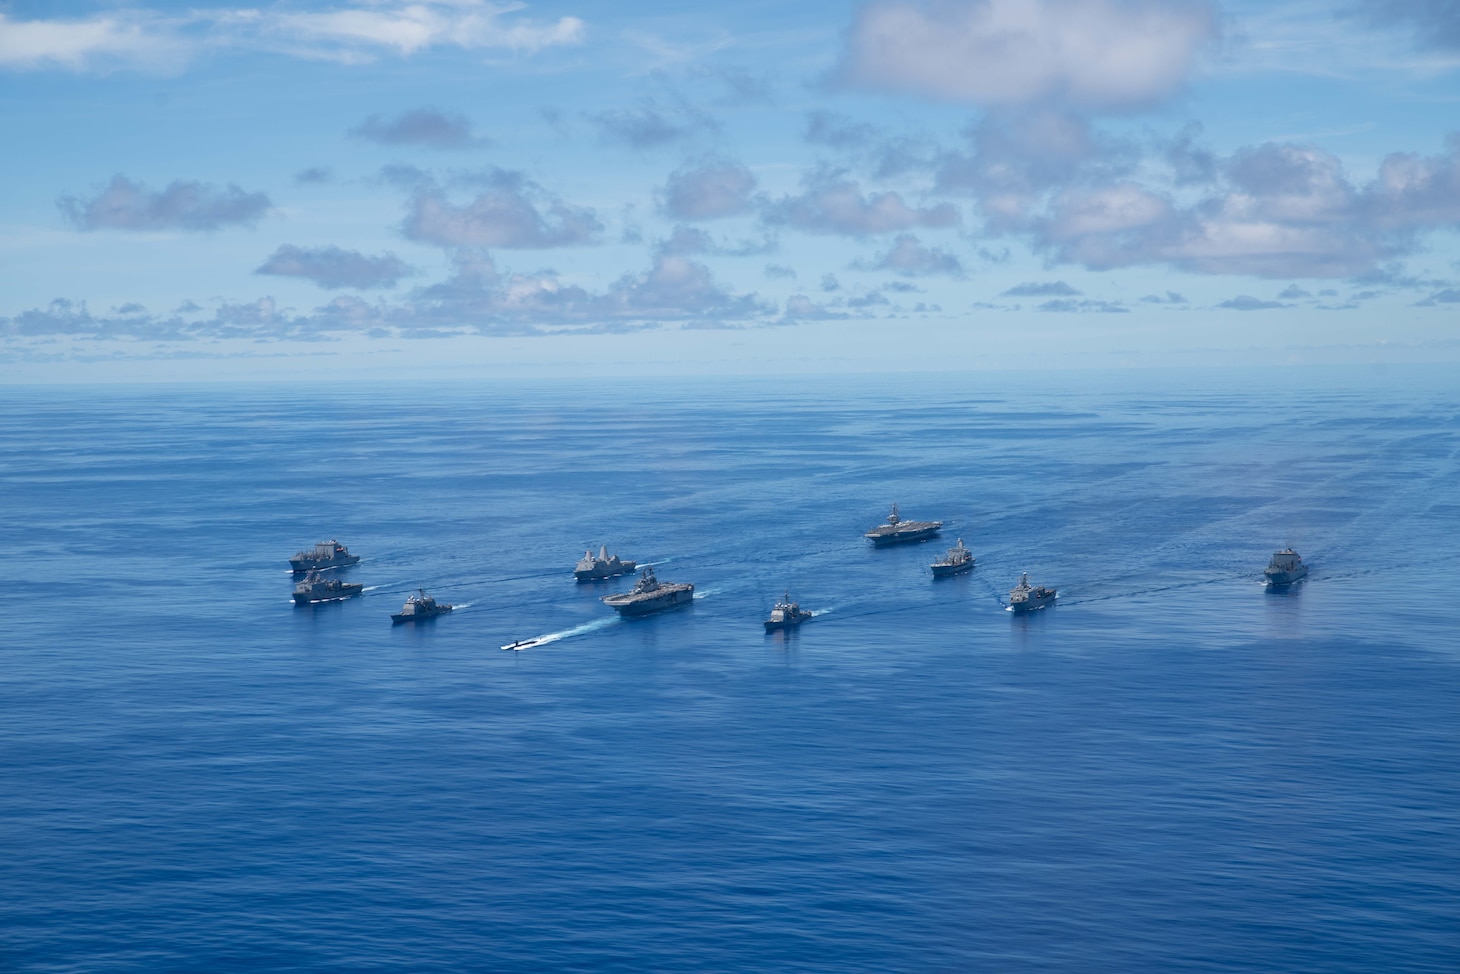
column 553, row 637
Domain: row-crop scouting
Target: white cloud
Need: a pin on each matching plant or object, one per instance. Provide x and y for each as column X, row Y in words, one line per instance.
column 838, row 206
column 1097, row 54
column 151, row 40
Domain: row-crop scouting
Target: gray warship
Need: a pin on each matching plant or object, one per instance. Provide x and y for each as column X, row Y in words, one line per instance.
column 1023, row 598
column 898, row 531
column 419, row 607
column 650, row 595
column 326, row 554
column 786, row 615
column 958, row 559
column 316, row 588
column 591, row 569
column 1285, row 568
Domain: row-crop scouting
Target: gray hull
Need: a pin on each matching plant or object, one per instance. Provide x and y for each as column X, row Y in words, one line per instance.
column 904, row 537
column 1033, row 604
column 658, row 603
column 1286, row 578
column 943, row 571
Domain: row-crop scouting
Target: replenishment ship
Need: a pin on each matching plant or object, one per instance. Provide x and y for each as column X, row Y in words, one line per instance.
column 326, row 554
column 1285, row 568
column 1023, row 598
column 958, row 559
column 316, row 588
column 898, row 531
column 419, row 607
column 786, row 615
column 591, row 569
column 650, row 595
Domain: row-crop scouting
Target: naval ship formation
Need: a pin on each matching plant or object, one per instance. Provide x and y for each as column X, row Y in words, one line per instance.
column 649, row 595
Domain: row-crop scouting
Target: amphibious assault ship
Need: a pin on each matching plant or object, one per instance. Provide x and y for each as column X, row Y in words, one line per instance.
column 1285, row 568
column 898, row 531
column 326, row 554
column 786, row 615
column 316, row 588
column 958, row 559
column 591, row 569
column 650, row 595
column 419, row 607
column 1023, row 598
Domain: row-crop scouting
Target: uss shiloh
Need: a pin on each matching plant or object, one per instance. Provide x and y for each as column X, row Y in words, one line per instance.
column 591, row 569
column 419, row 607
column 1023, row 598
column 650, row 595
column 786, row 615
column 958, row 559
column 1285, row 568
column 326, row 554
column 898, row 531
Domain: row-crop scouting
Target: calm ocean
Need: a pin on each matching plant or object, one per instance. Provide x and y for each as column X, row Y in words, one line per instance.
column 1172, row 770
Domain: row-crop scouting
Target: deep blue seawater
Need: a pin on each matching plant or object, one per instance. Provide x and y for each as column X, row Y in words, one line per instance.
column 1172, row 770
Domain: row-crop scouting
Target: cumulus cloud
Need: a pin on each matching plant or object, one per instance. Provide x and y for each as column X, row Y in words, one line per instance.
column 1274, row 210
column 910, row 258
column 1449, row 295
column 1035, row 289
column 1292, row 293
column 512, row 212
column 690, row 241
column 779, row 272
column 183, row 205
column 1083, row 305
column 420, row 126
column 801, row 308
column 838, row 206
column 1170, row 297
column 708, row 191
column 314, row 175
column 652, row 124
column 334, row 267
column 153, row 41
column 1246, row 302
column 477, row 298
column 1097, row 54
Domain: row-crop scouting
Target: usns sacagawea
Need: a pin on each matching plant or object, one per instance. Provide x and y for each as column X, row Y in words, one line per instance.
column 1023, row 598
column 898, row 531
column 316, row 588
column 591, row 569
column 1285, row 568
column 326, row 554
column 786, row 615
column 650, row 595
column 958, row 559
column 419, row 607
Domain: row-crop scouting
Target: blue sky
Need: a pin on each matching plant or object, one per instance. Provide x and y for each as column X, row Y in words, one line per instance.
column 456, row 187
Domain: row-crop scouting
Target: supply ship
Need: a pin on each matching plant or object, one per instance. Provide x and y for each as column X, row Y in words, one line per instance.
column 326, row 554
column 898, row 531
column 958, row 559
column 650, row 595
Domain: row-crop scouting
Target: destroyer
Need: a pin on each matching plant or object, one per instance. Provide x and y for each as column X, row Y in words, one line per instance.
column 1285, row 568
column 898, row 531
column 316, row 588
column 326, row 554
column 786, row 615
column 419, row 607
column 958, row 559
column 1022, row 598
column 591, row 569
column 650, row 595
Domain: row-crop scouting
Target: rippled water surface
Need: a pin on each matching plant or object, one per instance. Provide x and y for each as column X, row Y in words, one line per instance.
column 1173, row 769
